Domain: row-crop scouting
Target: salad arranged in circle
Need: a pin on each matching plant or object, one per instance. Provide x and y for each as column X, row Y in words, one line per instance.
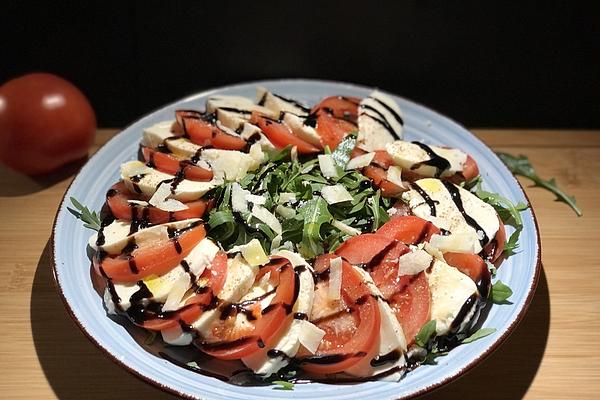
column 290, row 242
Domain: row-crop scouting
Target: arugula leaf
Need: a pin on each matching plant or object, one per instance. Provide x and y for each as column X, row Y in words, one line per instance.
column 508, row 212
column 341, row 154
column 500, row 293
column 90, row 218
column 481, row 333
column 511, row 245
column 426, row 332
column 315, row 214
column 520, row 165
column 380, row 215
column 283, row 385
column 150, row 338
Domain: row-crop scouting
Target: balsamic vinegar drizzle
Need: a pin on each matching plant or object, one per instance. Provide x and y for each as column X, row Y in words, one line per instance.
column 430, row 202
column 379, row 117
column 436, row 161
column 455, row 195
column 396, row 116
column 290, row 101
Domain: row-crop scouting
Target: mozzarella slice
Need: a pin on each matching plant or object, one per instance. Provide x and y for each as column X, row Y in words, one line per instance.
column 160, row 134
column 229, row 165
column 410, row 156
column 379, row 122
column 298, row 333
column 391, row 339
column 147, row 183
column 234, row 111
column 450, row 291
column 176, row 336
column 278, row 104
column 304, row 132
column 447, row 213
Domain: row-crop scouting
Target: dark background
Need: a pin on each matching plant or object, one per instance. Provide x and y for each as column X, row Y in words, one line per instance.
column 530, row 65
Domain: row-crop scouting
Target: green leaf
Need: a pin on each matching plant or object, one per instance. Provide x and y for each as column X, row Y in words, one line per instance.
column 520, row 165
column 341, row 154
column 315, row 214
column 481, row 333
column 500, row 292
column 150, row 338
column 91, row 219
column 426, row 332
column 380, row 216
column 512, row 243
column 283, row 385
column 508, row 212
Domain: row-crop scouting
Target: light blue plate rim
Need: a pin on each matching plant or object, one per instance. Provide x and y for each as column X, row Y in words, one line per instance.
column 181, row 382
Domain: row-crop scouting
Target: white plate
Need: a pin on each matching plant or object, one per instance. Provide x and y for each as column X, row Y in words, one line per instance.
column 124, row 344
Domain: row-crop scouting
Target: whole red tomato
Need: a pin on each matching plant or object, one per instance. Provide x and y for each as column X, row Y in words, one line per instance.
column 45, row 122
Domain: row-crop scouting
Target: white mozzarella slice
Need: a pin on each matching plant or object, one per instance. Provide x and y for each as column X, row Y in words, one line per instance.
column 448, row 216
column 450, row 290
column 298, row 333
column 229, row 165
column 116, row 234
column 379, row 122
column 157, row 134
column 391, row 338
column 176, row 336
column 234, row 111
column 410, row 155
column 278, row 104
column 146, row 184
column 304, row 132
column 160, row 199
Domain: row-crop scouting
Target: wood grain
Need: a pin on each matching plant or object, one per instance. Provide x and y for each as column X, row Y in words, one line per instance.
column 553, row 354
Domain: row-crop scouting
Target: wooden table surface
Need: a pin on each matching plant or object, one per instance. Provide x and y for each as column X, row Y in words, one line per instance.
column 553, row 354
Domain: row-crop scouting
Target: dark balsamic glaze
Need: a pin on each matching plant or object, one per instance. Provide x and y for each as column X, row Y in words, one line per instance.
column 135, row 180
column 300, row 315
column 111, row 193
column 139, row 222
column 225, row 345
column 236, row 110
column 455, row 195
column 194, row 369
column 325, row 359
column 113, row 292
column 150, row 162
column 396, row 116
column 436, row 161
column 263, row 99
column 379, row 117
column 142, row 293
column 274, row 353
column 292, row 101
column 196, row 157
column 231, row 309
column 311, row 120
column 107, row 220
column 462, row 314
column 430, row 202
column 390, row 357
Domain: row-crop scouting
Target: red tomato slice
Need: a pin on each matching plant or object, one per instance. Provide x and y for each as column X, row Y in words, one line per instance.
column 379, row 178
column 350, row 335
column 473, row 266
column 470, row 169
column 385, row 274
column 225, row 141
column 494, row 249
column 280, row 135
column 408, row 229
column 345, row 107
column 412, row 304
column 195, row 305
column 155, row 258
column 117, row 197
column 362, row 249
column 198, row 130
column 170, row 164
column 268, row 325
column 332, row 130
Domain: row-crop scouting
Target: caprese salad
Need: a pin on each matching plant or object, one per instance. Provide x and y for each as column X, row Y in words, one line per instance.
column 301, row 241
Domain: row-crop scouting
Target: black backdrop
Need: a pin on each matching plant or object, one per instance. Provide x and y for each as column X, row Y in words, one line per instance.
column 491, row 64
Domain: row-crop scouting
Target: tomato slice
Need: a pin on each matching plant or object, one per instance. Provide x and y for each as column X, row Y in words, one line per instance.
column 117, row 199
column 408, row 229
column 363, row 249
column 154, row 258
column 412, row 304
column 385, row 274
column 473, row 266
column 470, row 169
column 172, row 165
column 379, row 178
column 195, row 305
column 349, row 335
column 345, row 107
column 198, row 130
column 332, row 130
column 280, row 135
column 494, row 249
column 267, row 326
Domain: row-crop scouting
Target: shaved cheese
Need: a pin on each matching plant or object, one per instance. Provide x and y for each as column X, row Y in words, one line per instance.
column 294, row 154
column 394, row 175
column 254, row 254
column 226, row 129
column 182, row 284
column 360, row 161
column 138, row 202
column 335, row 194
column 134, row 168
column 345, row 228
column 161, row 201
column 458, row 242
column 310, row 336
column 257, row 154
column 294, row 258
column 434, row 251
column 252, row 198
column 328, row 166
column 201, row 256
column 267, row 217
column 239, row 202
column 276, row 242
column 335, row 279
column 414, row 262
column 285, row 197
column 285, row 212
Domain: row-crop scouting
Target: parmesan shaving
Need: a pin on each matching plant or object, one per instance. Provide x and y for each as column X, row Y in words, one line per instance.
column 459, row 242
column 328, row 166
column 267, row 217
column 310, row 336
column 239, row 201
column 134, row 168
column 252, row 198
column 347, row 229
column 414, row 262
column 285, row 212
column 335, row 279
column 181, row 285
column 161, row 201
column 335, row 194
column 360, row 161
column 394, row 175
